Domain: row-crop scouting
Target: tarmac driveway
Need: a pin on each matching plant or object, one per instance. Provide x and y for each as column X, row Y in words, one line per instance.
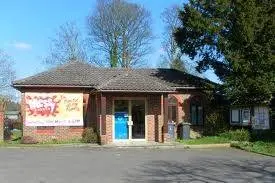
column 63, row 165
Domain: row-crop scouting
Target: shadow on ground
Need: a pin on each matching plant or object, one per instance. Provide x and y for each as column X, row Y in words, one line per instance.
column 204, row 171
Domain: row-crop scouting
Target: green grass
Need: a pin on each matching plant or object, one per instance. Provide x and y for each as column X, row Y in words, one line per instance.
column 16, row 135
column 206, row 140
column 266, row 148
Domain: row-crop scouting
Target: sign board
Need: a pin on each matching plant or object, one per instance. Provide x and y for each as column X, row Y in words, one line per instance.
column 54, row 109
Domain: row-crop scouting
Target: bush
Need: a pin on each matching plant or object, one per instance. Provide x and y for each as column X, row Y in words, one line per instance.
column 7, row 134
column 89, row 136
column 237, row 135
column 28, row 140
column 263, row 135
column 215, row 123
column 17, row 125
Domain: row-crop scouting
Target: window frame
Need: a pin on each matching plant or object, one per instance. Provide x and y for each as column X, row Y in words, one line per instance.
column 173, row 104
column 197, row 102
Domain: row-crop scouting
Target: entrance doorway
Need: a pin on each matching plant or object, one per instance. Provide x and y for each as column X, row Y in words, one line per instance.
column 138, row 118
column 129, row 119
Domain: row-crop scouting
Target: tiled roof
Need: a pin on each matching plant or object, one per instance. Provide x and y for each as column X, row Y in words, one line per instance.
column 79, row 74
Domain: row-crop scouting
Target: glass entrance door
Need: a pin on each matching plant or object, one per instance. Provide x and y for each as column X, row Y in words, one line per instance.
column 138, row 118
column 121, row 119
column 129, row 116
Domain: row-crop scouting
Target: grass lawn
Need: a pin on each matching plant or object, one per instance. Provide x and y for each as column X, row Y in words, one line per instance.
column 267, row 148
column 206, row 140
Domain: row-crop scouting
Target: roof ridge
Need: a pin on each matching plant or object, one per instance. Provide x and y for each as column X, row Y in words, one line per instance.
column 119, row 76
column 52, row 69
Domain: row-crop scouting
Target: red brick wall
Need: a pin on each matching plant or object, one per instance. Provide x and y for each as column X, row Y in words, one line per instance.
column 154, row 118
column 61, row 133
column 92, row 116
column 184, row 110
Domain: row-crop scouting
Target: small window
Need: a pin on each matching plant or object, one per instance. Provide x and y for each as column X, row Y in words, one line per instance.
column 196, row 111
column 235, row 116
column 172, row 109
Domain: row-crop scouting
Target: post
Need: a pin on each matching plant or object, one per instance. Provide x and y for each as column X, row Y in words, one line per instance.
column 103, row 119
column 130, row 122
column 165, row 118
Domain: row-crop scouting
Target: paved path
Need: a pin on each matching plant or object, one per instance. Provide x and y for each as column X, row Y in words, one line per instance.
column 64, row 165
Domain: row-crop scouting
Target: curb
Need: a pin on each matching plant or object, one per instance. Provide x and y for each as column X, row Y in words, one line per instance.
column 201, row 146
column 49, row 145
column 157, row 146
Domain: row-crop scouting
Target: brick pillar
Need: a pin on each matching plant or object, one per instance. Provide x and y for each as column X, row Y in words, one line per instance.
column 165, row 118
column 1, row 126
column 103, row 104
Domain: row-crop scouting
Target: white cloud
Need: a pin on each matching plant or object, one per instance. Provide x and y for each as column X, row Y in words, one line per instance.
column 22, row 45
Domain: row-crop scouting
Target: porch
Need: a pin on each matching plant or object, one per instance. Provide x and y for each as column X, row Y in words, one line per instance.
column 132, row 117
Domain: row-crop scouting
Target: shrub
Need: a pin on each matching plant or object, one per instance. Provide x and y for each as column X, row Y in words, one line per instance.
column 263, row 135
column 89, row 136
column 7, row 134
column 215, row 123
column 17, row 125
column 28, row 140
column 237, row 135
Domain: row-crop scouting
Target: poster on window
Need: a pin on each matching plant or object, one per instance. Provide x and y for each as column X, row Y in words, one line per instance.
column 261, row 118
column 54, row 109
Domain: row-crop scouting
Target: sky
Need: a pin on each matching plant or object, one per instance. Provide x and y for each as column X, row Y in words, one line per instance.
column 28, row 25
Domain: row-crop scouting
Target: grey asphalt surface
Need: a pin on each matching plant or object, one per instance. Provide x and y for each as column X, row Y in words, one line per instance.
column 63, row 165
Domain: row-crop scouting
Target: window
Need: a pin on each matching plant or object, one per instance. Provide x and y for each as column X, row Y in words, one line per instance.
column 240, row 116
column 235, row 116
column 172, row 109
column 196, row 111
column 261, row 115
column 245, row 116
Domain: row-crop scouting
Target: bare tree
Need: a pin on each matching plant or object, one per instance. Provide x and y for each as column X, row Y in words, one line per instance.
column 67, row 45
column 122, row 31
column 7, row 75
column 172, row 56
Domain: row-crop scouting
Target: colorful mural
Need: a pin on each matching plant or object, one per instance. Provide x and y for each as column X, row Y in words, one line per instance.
column 54, row 109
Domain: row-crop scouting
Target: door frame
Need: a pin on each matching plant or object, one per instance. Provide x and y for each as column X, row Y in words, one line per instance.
column 129, row 99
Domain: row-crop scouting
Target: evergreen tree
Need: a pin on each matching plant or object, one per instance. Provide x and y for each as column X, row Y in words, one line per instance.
column 236, row 39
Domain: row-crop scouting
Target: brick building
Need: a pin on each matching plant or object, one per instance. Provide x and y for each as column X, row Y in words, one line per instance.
column 121, row 104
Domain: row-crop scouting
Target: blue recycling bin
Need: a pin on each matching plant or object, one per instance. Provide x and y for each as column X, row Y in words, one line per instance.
column 171, row 130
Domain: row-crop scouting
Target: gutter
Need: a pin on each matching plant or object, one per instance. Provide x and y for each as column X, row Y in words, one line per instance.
column 135, row 91
column 51, row 86
column 188, row 87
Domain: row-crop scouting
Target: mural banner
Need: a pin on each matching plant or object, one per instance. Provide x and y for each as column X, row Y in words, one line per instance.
column 54, row 109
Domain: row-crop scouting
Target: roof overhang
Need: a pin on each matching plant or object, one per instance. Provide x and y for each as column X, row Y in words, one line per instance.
column 50, row 86
column 137, row 91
